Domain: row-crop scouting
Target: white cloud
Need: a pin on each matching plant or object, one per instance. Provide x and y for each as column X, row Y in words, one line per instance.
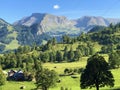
column 56, row 6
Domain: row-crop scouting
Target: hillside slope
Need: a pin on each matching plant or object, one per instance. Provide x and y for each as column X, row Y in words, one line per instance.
column 39, row 28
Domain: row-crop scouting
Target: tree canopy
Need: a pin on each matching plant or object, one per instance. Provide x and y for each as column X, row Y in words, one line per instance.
column 114, row 59
column 46, row 78
column 97, row 73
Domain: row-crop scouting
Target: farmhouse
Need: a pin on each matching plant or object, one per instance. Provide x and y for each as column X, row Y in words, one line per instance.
column 16, row 75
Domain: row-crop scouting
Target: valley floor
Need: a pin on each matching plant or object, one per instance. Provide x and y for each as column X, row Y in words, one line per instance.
column 65, row 81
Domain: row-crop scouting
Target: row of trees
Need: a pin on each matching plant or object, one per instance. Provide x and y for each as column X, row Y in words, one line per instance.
column 104, row 35
column 106, row 49
column 107, row 35
column 24, row 57
column 86, row 50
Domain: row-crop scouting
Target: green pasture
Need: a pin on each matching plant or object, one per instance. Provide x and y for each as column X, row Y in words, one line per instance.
column 59, row 67
column 16, row 86
column 74, row 83
column 65, row 81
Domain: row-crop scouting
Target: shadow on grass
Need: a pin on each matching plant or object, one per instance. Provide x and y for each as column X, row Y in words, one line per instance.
column 112, row 89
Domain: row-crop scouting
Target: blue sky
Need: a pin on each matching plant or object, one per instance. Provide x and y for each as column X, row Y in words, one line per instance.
column 12, row 10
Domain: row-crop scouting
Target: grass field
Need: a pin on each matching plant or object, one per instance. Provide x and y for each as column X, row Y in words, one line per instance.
column 16, row 85
column 66, row 81
column 59, row 67
column 74, row 83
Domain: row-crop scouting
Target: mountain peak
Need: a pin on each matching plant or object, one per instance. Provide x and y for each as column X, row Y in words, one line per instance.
column 30, row 20
column 38, row 14
column 3, row 22
column 37, row 18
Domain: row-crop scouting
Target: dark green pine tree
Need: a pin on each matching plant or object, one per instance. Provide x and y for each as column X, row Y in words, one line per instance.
column 65, row 55
column 52, row 56
column 59, row 56
column 78, row 55
column 54, row 41
column 71, row 55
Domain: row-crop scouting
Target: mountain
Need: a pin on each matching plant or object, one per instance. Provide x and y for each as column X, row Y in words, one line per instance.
column 39, row 28
column 3, row 23
column 86, row 23
column 50, row 24
column 56, row 25
column 7, row 36
column 30, row 20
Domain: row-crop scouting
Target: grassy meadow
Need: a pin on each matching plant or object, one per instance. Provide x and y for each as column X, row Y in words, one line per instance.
column 73, row 83
column 59, row 67
column 16, row 85
column 66, row 81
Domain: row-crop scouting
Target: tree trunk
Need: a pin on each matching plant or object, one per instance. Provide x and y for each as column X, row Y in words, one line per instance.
column 97, row 86
column 44, row 88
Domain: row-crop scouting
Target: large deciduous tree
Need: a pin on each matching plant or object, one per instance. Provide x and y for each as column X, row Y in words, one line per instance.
column 114, row 60
column 46, row 78
column 97, row 73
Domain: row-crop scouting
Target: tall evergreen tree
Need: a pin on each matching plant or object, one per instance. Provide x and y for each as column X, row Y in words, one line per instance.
column 59, row 56
column 54, row 41
column 71, row 55
column 77, row 55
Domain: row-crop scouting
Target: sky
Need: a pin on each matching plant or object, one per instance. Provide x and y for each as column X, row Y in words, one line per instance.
column 12, row 10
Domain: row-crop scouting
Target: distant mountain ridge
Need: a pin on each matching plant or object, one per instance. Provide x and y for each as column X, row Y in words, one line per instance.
column 88, row 22
column 48, row 22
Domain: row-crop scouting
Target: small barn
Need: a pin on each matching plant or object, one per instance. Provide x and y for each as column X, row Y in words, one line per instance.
column 15, row 75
